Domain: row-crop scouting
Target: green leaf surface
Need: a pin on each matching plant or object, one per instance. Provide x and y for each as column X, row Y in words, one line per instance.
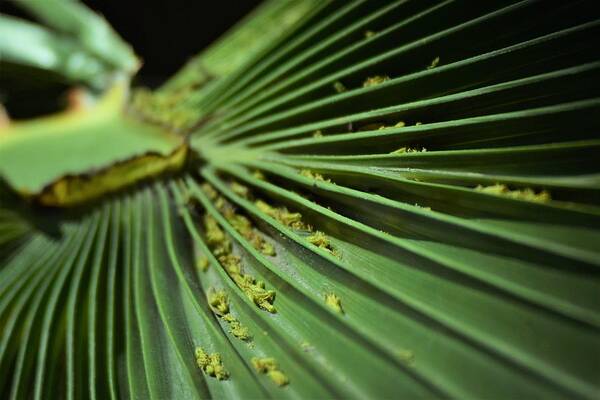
column 433, row 235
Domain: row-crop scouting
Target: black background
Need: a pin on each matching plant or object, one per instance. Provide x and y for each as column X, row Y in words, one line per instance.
column 166, row 33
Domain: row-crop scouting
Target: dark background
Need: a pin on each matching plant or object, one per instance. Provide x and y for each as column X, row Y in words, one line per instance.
column 165, row 33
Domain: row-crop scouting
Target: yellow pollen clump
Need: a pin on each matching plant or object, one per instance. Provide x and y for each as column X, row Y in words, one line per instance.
column 313, row 175
column 211, row 364
column 270, row 367
column 375, row 80
column 334, row 302
column 526, row 194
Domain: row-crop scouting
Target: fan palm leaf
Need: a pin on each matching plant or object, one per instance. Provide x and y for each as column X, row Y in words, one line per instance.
column 335, row 200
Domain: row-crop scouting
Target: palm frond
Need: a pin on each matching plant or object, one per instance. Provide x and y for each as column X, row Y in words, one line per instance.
column 379, row 201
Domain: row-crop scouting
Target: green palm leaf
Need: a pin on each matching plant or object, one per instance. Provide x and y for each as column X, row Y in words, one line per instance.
column 378, row 200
